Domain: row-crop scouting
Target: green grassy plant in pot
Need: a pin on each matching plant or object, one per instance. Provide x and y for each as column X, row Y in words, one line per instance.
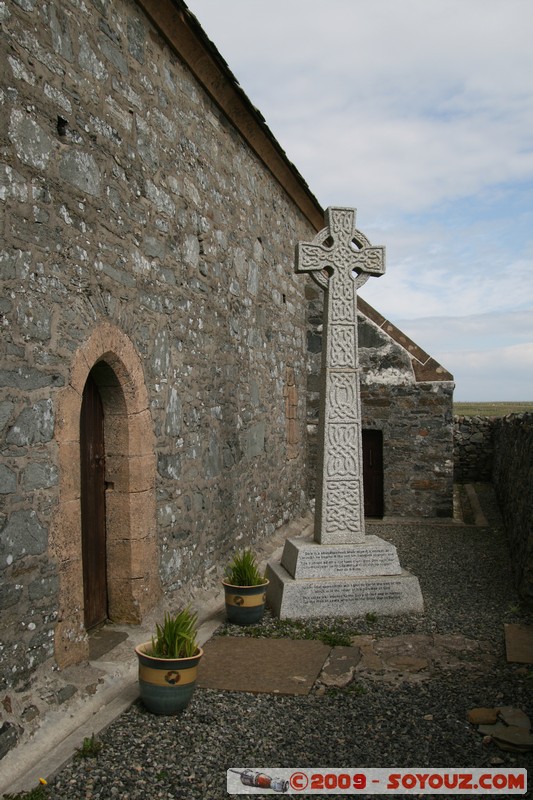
column 168, row 664
column 245, row 589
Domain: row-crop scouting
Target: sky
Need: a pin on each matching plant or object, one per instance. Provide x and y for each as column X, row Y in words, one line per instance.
column 419, row 114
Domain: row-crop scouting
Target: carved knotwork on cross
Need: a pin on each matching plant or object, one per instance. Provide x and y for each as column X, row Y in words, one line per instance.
column 340, row 260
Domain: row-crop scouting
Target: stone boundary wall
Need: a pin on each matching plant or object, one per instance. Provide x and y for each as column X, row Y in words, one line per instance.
column 512, row 477
column 499, row 450
column 473, row 448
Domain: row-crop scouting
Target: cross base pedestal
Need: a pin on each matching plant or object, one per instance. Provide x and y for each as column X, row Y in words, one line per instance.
column 315, row 580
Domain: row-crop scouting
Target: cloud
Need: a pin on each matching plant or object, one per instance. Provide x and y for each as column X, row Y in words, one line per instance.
column 476, row 332
column 419, row 114
column 386, row 104
column 412, row 289
column 498, row 375
column 489, row 355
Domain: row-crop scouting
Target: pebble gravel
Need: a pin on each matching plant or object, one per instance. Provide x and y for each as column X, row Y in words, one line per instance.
column 467, row 584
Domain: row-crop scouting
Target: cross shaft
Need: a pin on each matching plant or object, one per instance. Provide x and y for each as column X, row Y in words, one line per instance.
column 340, row 259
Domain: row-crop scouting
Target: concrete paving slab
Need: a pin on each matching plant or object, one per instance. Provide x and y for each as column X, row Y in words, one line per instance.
column 276, row 666
column 508, row 737
column 340, row 667
column 519, row 643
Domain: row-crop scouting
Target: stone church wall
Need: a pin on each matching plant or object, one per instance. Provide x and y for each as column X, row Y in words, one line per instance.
column 128, row 201
column 415, row 418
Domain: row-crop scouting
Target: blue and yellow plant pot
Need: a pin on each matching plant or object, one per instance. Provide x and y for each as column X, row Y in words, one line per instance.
column 245, row 604
column 166, row 684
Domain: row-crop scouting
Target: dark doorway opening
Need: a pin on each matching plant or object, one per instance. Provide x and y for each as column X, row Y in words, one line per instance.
column 93, row 514
column 373, row 472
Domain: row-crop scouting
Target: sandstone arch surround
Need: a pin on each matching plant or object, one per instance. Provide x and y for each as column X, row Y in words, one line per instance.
column 132, row 560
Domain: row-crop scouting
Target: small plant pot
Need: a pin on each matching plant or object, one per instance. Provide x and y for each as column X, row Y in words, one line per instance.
column 245, row 605
column 166, row 684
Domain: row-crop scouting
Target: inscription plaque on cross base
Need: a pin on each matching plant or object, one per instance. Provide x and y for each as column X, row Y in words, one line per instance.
column 356, row 596
column 303, row 558
column 340, row 259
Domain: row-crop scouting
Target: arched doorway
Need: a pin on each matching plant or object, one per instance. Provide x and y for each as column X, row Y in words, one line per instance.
column 108, row 368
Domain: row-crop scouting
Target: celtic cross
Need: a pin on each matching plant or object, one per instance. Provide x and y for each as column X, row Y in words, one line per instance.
column 340, row 259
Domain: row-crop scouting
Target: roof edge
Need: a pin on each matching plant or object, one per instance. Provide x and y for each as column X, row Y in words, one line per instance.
column 183, row 32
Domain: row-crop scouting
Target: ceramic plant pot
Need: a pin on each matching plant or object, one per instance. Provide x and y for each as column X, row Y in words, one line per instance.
column 245, row 604
column 166, row 684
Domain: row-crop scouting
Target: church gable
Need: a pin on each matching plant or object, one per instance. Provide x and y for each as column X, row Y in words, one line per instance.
column 381, row 359
column 424, row 367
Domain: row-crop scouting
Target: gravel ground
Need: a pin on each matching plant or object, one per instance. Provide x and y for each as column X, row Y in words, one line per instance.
column 466, row 580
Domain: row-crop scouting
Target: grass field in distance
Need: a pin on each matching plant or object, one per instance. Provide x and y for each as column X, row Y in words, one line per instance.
column 491, row 409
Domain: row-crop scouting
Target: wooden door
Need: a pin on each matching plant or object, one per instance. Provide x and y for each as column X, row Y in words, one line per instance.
column 92, row 455
column 373, row 472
